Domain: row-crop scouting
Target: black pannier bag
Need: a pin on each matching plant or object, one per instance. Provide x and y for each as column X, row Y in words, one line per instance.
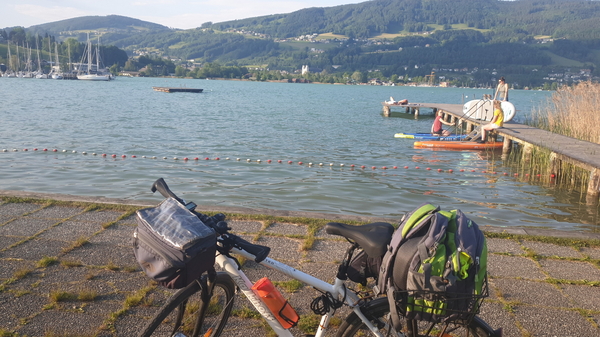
column 172, row 245
column 362, row 267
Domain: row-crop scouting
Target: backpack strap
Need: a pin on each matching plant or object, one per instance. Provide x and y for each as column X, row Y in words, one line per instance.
column 396, row 323
column 424, row 255
column 408, row 222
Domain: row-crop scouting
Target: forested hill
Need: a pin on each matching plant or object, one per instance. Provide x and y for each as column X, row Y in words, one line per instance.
column 462, row 41
column 574, row 19
column 111, row 23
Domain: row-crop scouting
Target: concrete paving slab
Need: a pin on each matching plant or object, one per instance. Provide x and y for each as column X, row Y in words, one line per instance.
column 35, row 250
column 582, row 296
column 327, row 251
column 282, row 249
column 287, row 229
column 504, row 246
column 26, row 227
column 70, row 231
column 570, row 270
column 519, row 291
column 56, row 212
column 238, row 226
column 513, row 266
column 547, row 249
column 593, row 253
column 16, row 210
column 496, row 316
column 540, row 321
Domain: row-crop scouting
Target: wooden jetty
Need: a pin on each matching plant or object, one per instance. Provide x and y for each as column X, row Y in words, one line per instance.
column 563, row 149
column 409, row 108
column 181, row 89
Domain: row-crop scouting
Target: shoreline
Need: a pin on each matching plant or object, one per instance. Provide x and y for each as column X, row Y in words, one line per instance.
column 243, row 211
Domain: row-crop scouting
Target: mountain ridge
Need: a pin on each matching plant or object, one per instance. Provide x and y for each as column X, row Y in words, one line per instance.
column 402, row 37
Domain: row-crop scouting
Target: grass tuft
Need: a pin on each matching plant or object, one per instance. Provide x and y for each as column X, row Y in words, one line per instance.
column 289, row 286
column 61, row 296
column 46, row 261
column 246, row 312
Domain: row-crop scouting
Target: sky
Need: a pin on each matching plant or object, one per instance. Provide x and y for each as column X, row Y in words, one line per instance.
column 182, row 14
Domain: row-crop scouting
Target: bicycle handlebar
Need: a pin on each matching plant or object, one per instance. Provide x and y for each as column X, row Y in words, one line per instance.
column 260, row 252
column 163, row 188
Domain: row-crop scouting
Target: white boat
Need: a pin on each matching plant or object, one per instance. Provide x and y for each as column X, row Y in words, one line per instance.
column 57, row 75
column 39, row 73
column 89, row 75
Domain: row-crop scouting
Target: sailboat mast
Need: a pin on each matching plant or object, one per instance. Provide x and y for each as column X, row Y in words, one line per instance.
column 57, row 60
column 37, row 47
column 98, row 55
column 89, row 54
column 69, row 52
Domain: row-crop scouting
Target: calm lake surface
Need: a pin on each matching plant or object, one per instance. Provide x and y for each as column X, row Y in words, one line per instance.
column 308, row 123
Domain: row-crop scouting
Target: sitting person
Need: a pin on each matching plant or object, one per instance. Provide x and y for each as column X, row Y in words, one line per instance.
column 436, row 128
column 393, row 102
column 496, row 123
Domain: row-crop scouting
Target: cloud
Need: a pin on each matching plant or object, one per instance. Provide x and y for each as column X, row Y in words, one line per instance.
column 48, row 14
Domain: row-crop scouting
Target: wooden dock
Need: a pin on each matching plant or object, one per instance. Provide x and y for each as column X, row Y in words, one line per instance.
column 563, row 149
column 409, row 108
column 181, row 89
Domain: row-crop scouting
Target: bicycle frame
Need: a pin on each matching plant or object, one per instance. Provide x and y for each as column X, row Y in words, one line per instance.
column 338, row 288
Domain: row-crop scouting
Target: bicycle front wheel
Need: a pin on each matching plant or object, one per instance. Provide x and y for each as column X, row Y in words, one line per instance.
column 185, row 315
column 378, row 312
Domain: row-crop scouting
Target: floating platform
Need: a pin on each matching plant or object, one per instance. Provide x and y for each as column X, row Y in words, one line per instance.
column 429, row 136
column 459, row 145
column 169, row 90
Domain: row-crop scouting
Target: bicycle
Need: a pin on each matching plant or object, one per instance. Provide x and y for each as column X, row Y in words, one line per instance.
column 204, row 307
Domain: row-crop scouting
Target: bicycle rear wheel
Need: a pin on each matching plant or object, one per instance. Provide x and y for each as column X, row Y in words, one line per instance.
column 185, row 315
column 378, row 312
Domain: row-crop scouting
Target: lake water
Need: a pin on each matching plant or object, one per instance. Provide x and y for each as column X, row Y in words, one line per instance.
column 308, row 123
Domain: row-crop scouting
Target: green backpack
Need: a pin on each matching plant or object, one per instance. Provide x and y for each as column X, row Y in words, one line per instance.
column 435, row 268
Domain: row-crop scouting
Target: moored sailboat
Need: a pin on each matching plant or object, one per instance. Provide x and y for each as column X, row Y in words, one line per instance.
column 90, row 75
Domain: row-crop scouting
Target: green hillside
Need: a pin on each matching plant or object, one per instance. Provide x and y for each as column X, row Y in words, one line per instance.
column 464, row 41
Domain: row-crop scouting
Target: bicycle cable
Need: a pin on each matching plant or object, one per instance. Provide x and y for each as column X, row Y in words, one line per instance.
column 324, row 303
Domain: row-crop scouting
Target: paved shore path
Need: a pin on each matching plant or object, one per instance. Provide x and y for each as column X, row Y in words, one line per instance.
column 67, row 269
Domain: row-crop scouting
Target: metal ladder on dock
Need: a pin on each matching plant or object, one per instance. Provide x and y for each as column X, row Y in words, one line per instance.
column 475, row 134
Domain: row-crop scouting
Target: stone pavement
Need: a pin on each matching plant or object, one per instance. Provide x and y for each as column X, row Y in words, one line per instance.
column 67, row 269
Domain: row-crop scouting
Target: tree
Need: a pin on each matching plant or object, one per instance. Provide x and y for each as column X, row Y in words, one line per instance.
column 181, row 71
column 114, row 69
column 130, row 65
column 359, row 76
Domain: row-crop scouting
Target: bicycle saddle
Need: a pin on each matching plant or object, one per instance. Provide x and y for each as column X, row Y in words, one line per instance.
column 373, row 238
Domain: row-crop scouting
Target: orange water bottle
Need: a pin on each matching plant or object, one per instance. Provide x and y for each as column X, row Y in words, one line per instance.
column 281, row 309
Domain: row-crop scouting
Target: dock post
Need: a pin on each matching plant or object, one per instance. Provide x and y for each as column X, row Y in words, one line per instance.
column 555, row 165
column 416, row 112
column 386, row 111
column 407, row 110
column 506, row 146
column 593, row 191
column 527, row 149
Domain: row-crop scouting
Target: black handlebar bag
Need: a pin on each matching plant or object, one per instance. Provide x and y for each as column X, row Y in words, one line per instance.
column 172, row 245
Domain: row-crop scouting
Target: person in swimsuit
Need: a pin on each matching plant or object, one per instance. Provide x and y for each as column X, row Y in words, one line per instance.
column 502, row 89
column 436, row 128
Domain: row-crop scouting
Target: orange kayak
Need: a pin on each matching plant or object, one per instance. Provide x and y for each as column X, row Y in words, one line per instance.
column 459, row 145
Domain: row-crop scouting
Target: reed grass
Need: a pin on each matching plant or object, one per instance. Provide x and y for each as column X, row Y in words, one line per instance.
column 572, row 111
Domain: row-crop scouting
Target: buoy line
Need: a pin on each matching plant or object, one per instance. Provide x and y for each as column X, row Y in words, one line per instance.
column 279, row 161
